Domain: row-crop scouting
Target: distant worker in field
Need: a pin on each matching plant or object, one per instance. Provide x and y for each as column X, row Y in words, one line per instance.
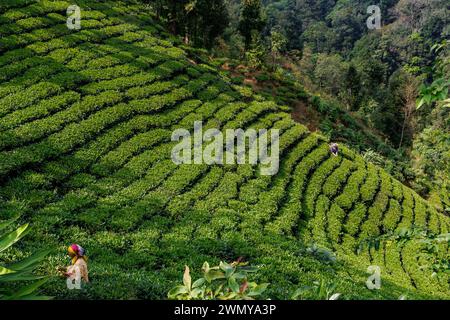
column 78, row 270
column 334, row 149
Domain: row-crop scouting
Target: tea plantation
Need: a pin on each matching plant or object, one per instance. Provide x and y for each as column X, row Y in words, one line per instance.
column 86, row 118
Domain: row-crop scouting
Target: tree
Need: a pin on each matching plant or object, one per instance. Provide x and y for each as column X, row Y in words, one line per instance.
column 314, row 10
column 409, row 105
column 293, row 25
column 352, row 86
column 431, row 160
column 348, row 21
column 159, row 6
column 256, row 54
column 430, row 146
column 200, row 22
column 404, row 90
column 411, row 12
column 211, row 21
column 329, row 72
column 277, row 44
column 176, row 16
column 319, row 37
column 437, row 91
column 251, row 20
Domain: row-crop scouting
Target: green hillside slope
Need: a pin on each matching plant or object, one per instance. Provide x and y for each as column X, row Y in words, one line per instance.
column 86, row 119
